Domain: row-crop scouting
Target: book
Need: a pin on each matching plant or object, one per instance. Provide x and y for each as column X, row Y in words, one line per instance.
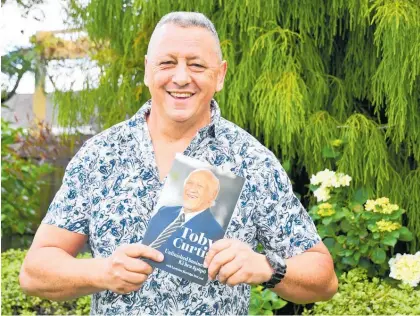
column 193, row 211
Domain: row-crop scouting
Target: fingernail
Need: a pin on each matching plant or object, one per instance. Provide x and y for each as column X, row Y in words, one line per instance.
column 205, row 265
column 160, row 257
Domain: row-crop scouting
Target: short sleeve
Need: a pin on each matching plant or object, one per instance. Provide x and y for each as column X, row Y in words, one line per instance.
column 70, row 208
column 283, row 224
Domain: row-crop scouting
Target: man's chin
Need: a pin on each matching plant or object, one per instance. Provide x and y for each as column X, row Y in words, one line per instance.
column 190, row 209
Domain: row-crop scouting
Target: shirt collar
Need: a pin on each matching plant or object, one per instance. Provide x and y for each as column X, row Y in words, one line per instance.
column 208, row 130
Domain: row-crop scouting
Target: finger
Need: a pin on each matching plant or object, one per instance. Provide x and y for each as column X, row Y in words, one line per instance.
column 216, row 248
column 137, row 266
column 133, row 278
column 240, row 276
column 126, row 287
column 228, row 270
column 143, row 251
column 219, row 260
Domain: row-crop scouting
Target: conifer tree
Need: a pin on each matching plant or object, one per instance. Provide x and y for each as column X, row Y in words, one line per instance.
column 332, row 83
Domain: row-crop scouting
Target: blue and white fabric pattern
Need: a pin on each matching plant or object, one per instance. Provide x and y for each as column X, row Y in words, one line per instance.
column 112, row 185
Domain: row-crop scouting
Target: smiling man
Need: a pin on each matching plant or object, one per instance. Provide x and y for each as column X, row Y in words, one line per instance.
column 111, row 186
column 200, row 191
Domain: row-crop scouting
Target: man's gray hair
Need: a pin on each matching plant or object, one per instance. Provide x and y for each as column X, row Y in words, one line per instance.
column 189, row 19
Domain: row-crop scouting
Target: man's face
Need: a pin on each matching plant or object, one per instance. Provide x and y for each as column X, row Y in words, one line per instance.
column 183, row 72
column 200, row 190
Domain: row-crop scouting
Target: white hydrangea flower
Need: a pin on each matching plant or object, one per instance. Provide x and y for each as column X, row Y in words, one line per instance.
column 315, row 180
column 344, row 180
column 322, row 194
column 322, row 177
column 406, row 268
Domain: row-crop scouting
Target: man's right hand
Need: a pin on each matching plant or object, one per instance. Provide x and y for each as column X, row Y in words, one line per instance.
column 125, row 271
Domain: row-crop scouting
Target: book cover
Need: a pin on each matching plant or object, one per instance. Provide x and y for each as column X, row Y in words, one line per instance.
column 193, row 211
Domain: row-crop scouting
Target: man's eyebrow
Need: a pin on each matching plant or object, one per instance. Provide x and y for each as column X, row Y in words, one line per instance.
column 193, row 57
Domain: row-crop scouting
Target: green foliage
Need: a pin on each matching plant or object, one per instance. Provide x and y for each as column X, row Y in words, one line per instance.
column 359, row 235
column 264, row 302
column 15, row 302
column 20, row 183
column 15, row 64
column 301, row 74
column 359, row 295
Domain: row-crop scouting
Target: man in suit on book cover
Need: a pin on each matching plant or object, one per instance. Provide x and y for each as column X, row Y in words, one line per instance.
column 200, row 191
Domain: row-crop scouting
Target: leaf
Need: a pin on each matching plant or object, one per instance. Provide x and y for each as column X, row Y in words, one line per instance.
column 327, row 220
column 322, row 232
column 268, row 312
column 345, row 226
column 405, row 234
column 389, row 240
column 378, row 256
column 351, row 261
column 341, row 239
column 329, row 242
column 395, row 233
column 353, row 240
column 363, row 233
column 267, row 295
column 329, row 152
column 357, row 256
column 364, row 263
column 339, row 215
column 361, row 195
column 267, row 305
column 287, row 166
column 395, row 215
column 279, row 303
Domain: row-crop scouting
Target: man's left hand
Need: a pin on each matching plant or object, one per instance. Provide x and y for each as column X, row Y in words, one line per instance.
column 234, row 262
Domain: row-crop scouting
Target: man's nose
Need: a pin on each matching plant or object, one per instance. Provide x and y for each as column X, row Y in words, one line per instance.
column 181, row 76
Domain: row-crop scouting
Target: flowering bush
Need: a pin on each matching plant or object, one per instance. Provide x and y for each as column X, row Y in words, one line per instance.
column 325, row 181
column 358, row 232
column 406, row 268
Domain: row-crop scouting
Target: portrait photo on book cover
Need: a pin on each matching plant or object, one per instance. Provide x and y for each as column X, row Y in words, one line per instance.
column 193, row 211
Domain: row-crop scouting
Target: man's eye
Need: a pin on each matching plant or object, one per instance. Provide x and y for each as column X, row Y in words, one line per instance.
column 197, row 65
column 169, row 62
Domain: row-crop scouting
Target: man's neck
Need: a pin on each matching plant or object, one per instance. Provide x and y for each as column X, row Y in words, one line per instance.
column 169, row 131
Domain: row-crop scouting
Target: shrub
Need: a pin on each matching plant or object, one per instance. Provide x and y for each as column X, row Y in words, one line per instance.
column 264, row 302
column 20, row 183
column 15, row 302
column 357, row 231
column 359, row 295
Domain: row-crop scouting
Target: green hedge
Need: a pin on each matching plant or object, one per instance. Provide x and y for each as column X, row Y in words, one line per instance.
column 359, row 295
column 15, row 302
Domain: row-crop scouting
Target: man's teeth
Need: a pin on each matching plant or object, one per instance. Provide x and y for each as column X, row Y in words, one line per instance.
column 180, row 95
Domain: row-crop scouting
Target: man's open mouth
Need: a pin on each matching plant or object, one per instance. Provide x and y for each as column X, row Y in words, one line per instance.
column 181, row 95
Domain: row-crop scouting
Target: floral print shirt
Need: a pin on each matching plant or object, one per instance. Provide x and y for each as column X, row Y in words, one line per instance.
column 112, row 184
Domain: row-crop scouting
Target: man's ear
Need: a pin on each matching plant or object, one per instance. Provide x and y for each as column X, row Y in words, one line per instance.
column 221, row 76
column 146, row 81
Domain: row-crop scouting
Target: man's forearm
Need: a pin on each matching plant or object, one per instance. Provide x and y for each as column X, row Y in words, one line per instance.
column 54, row 274
column 310, row 277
